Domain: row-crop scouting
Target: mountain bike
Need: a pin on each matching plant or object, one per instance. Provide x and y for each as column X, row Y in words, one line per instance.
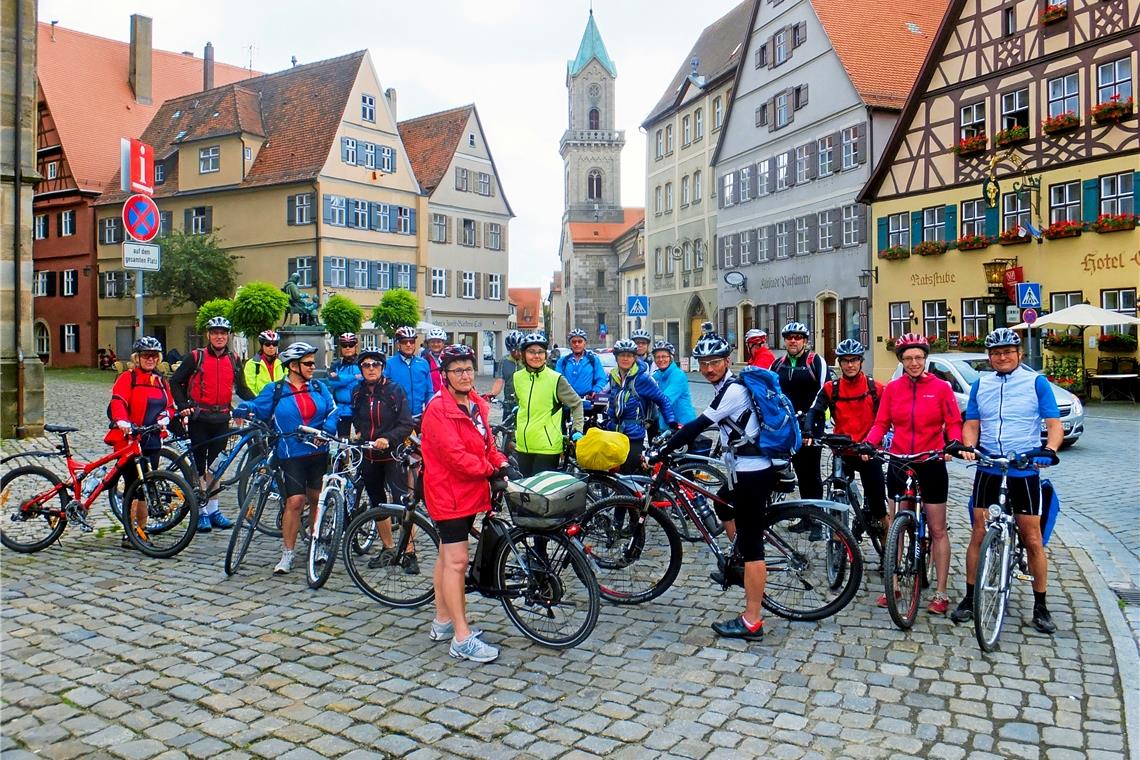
column 262, row 492
column 906, row 565
column 841, row 486
column 41, row 503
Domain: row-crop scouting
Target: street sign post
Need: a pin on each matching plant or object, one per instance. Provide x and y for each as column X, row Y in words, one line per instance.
column 136, row 166
column 146, row 256
column 637, row 306
column 1029, row 316
column 1028, row 295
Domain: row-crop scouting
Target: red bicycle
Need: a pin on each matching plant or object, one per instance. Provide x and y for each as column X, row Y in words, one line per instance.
column 39, row 504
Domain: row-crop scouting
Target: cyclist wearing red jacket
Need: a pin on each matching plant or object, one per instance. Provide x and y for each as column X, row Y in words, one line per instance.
column 759, row 355
column 922, row 411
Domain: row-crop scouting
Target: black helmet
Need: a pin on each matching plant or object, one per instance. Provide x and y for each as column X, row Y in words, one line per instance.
column 454, row 353
column 147, row 343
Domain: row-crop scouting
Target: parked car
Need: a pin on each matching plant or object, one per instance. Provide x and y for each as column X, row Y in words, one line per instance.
column 609, row 361
column 961, row 370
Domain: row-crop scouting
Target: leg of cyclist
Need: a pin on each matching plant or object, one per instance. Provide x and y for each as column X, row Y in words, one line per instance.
column 935, row 483
column 805, row 462
column 726, row 513
column 1025, row 497
column 753, row 488
column 129, row 474
column 396, row 480
column 302, row 483
column 965, row 609
column 450, row 580
column 204, row 437
column 874, row 487
column 374, row 476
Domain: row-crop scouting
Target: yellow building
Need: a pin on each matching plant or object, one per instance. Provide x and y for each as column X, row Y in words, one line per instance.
column 298, row 171
column 1017, row 145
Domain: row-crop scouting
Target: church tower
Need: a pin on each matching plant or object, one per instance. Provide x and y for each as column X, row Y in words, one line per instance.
column 591, row 147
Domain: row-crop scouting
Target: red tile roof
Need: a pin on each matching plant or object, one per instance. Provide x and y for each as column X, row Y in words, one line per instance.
column 606, row 232
column 84, row 80
column 528, row 306
column 430, row 142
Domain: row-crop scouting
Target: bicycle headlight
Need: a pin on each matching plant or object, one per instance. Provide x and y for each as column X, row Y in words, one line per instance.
column 995, row 512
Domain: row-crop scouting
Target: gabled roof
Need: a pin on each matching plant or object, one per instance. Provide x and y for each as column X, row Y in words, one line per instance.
column 635, row 259
column 591, row 47
column 716, row 51
column 604, row 233
column 528, row 306
column 84, row 81
column 297, row 110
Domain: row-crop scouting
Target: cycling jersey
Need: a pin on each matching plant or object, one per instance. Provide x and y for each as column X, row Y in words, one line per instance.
column 141, row 398
column 762, row 357
column 206, row 380
column 922, row 411
column 538, row 424
column 1011, row 408
column 259, row 373
column 675, row 385
column 344, row 375
column 801, row 378
column 630, row 399
column 413, row 375
column 308, row 404
column 433, row 365
column 854, row 407
column 731, row 404
column 380, row 410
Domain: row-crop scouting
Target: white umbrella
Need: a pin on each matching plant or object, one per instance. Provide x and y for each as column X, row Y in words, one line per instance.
column 1082, row 315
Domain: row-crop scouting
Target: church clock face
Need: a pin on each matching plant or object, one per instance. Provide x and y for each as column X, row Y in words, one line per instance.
column 595, row 92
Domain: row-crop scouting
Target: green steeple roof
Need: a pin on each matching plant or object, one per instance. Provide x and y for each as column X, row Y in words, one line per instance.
column 591, row 47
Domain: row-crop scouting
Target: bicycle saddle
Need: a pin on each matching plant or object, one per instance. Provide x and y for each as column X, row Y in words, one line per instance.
column 60, row 429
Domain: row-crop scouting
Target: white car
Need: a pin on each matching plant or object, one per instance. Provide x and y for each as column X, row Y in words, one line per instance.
column 961, row 370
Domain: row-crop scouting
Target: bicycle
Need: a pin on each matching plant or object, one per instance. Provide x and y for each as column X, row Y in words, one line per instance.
column 803, row 581
column 33, row 489
column 841, row 487
column 266, row 474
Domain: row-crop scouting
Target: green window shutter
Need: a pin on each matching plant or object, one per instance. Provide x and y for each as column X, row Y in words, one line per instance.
column 915, row 228
column 290, row 209
column 993, row 226
column 1090, row 199
column 951, row 222
column 882, row 232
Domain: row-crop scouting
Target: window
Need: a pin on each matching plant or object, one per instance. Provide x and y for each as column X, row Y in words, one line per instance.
column 1114, row 79
column 483, row 183
column 1065, row 300
column 898, row 230
column 746, row 248
column 729, row 251
column 780, row 45
column 468, row 232
column 685, row 196
column 801, row 236
column 783, row 110
column 699, row 256
column 52, row 170
column 302, row 208
column 696, row 187
column 1016, row 210
column 729, row 195
column 368, row 108
column 745, row 191
column 70, row 338
column 461, row 178
column 338, row 272
column 305, row 271
column 762, row 178
column 350, row 150
column 159, row 173
column 824, row 234
column 1064, row 94
column 658, row 263
column 934, row 224
column 1116, row 194
column 247, row 152
column 973, row 218
column 70, row 282
column 208, row 159
column 718, row 113
column 41, row 227
column 1015, row 109
column 934, row 319
column 1008, row 22
column 593, row 119
column 594, row 185
column 850, row 225
column 468, row 289
column 899, row 318
column 495, row 236
column 686, row 130
column 698, row 124
column 471, row 139
column 110, row 231
column 404, row 277
column 973, row 120
column 360, row 214
column 43, row 339
column 67, row 223
column 369, row 155
column 762, row 244
column 1065, row 202
column 438, row 228
column 111, row 284
column 686, row 257
column 383, row 275
column 495, row 287
column 657, row 200
column 669, row 261
column 804, row 311
column 826, row 156
column 1124, row 301
column 802, row 164
column 850, row 142
column 165, row 223
column 360, row 274
column 404, row 220
column 668, row 197
column 199, row 219
column 660, row 143
column 387, row 159
column 668, row 139
column 338, row 210
column 975, row 321
column 782, row 171
column 40, row 283
column 438, row 281
column 781, row 240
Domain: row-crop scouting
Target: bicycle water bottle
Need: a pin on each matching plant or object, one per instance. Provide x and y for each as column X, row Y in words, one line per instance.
column 91, row 481
column 707, row 515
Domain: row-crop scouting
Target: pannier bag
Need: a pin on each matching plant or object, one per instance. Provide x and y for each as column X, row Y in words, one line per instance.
column 547, row 494
column 602, row 450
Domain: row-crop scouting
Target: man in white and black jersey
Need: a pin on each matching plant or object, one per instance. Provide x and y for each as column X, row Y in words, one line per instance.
column 751, row 477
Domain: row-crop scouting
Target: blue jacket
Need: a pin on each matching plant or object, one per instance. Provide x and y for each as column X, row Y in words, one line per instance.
column 414, row 376
column 287, row 417
column 675, row 385
column 585, row 375
column 343, row 377
column 630, row 401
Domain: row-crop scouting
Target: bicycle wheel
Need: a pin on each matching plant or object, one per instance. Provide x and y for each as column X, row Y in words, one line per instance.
column 270, row 525
column 382, row 574
column 902, row 569
column 168, row 459
column 547, row 588
column 249, row 515
column 798, row 585
column 991, row 590
column 170, row 504
column 33, row 517
column 326, row 540
column 637, row 555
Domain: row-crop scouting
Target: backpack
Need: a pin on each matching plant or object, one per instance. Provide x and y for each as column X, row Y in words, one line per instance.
column 810, row 363
column 198, row 354
column 872, row 391
column 134, row 384
column 779, row 436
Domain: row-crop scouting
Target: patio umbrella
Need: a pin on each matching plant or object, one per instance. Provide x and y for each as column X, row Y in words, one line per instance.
column 1082, row 316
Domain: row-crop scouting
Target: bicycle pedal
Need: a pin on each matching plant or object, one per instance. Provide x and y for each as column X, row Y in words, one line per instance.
column 1024, row 577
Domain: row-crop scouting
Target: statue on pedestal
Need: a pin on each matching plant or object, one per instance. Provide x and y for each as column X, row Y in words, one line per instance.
column 299, row 303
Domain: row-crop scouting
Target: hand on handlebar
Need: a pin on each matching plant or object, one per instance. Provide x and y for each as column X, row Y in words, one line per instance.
column 961, row 450
column 1042, row 457
column 576, row 436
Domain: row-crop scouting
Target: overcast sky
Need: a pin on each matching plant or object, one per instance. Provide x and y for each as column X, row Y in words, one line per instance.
column 507, row 56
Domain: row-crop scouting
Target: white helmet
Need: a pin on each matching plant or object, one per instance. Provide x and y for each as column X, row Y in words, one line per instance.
column 436, row 333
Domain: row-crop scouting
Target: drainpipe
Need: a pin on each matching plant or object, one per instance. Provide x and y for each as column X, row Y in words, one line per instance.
column 17, row 234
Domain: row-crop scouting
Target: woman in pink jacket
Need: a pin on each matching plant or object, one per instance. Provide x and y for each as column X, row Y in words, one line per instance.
column 459, row 459
column 922, row 411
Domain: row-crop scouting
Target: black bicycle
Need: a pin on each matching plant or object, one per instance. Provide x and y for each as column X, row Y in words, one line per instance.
column 840, row 486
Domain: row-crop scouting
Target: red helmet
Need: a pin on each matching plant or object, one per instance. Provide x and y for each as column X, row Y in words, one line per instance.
column 912, row 340
column 347, row 339
column 755, row 337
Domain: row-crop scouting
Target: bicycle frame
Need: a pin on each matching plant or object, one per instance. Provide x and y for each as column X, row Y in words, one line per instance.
column 245, row 434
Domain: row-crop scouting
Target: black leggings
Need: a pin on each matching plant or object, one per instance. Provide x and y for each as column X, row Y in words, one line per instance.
column 130, row 473
column 874, row 486
column 532, row 464
column 806, row 464
column 205, row 453
column 749, row 497
column 387, row 476
column 632, row 464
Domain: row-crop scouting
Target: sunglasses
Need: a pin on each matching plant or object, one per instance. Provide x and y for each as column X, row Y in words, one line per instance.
column 308, row 364
column 269, row 345
column 370, row 365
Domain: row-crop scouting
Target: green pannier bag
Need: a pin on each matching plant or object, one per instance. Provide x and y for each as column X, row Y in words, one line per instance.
column 549, row 495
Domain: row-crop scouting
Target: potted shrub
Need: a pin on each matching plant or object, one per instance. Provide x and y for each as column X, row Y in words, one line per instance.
column 1060, row 123
column 930, row 248
column 1062, row 341
column 1053, row 12
column 1114, row 223
column 938, row 345
column 1010, row 136
column 1063, row 229
column 970, row 145
column 894, row 253
column 1116, row 342
column 1065, row 372
column 974, row 242
column 972, row 341
column 1112, row 110
column 1013, row 237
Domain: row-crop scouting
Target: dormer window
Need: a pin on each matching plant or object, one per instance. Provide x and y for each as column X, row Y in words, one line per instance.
column 159, row 173
column 208, row 159
column 471, row 140
column 180, row 135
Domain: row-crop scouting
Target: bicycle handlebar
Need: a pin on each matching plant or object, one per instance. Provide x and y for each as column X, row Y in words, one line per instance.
column 335, row 439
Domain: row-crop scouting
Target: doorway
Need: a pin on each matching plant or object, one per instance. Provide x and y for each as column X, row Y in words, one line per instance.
column 124, row 341
column 697, row 317
column 830, row 315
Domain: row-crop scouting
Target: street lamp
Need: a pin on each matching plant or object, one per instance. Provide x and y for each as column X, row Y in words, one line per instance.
column 995, row 273
column 867, row 275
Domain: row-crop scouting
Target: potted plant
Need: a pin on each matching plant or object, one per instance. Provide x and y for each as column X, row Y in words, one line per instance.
column 1116, row 342
column 930, row 248
column 1112, row 110
column 1114, row 223
column 1063, row 229
column 1010, row 136
column 971, row 341
column 1065, row 372
column 1062, row 341
column 1053, row 12
column 894, row 253
column 974, row 242
column 1060, row 123
column 1013, row 237
column 938, row 345
column 969, row 145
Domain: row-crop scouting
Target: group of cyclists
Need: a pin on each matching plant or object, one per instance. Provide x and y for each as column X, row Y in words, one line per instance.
column 382, row 400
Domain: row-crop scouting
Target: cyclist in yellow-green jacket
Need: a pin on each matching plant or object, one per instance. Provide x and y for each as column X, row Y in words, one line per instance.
column 541, row 394
column 264, row 368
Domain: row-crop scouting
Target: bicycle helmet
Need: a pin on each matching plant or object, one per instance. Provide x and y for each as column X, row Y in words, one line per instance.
column 269, row 336
column 405, row 333
column 1001, row 337
column 374, row 355
column 147, row 343
column 454, row 353
column 850, row 347
column 533, row 339
column 711, row 346
column 664, row 345
column 576, row 333
column 795, row 328
column 218, row 323
column 755, row 336
column 435, row 333
column 640, row 334
column 296, row 351
column 625, row 346
column 511, row 341
column 911, row 340
column 347, row 340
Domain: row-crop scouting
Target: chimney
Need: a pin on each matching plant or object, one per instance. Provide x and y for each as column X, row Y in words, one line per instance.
column 390, row 96
column 208, row 67
column 139, row 73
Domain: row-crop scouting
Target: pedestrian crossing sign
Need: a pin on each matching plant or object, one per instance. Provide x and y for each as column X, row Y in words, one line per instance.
column 1028, row 295
column 637, row 306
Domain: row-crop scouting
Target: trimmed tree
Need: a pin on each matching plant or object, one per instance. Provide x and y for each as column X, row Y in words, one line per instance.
column 398, row 308
column 341, row 315
column 195, row 268
column 217, row 307
column 258, row 306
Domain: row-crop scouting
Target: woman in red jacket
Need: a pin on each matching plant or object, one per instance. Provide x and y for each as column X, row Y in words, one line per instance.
column 923, row 412
column 459, row 459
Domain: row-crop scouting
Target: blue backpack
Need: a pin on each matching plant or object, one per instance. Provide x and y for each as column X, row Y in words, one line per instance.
column 779, row 430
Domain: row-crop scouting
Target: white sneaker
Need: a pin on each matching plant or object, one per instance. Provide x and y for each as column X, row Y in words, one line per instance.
column 473, row 648
column 286, row 563
column 445, row 631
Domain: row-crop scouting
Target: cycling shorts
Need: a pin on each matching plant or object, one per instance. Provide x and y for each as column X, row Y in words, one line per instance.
column 750, row 504
column 933, row 480
column 1023, row 495
column 455, row 530
column 304, row 473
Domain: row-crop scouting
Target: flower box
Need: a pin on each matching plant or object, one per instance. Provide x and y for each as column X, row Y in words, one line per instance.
column 1060, row 123
column 974, row 242
column 894, row 253
column 1011, row 136
column 1064, row 229
column 1114, row 223
column 938, row 345
column 1012, row 237
column 930, row 248
column 1112, row 110
column 1116, row 342
column 1062, row 341
column 969, row 145
column 971, row 342
column 1053, row 13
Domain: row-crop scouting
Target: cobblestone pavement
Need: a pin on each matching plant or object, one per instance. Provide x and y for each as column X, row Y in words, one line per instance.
column 108, row 654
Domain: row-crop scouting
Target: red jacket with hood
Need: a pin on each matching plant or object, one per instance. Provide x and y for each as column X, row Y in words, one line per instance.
column 458, row 459
column 922, row 411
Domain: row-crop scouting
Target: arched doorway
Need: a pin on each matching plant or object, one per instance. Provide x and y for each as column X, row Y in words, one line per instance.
column 697, row 315
column 828, row 327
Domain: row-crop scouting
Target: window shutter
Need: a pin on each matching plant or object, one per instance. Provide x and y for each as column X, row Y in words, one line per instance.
column 951, row 222
column 344, row 149
column 761, row 115
column 719, row 252
column 412, row 221
column 209, row 219
column 762, row 55
column 393, row 218
column 799, row 35
column 992, row 226
column 446, row 230
column 328, row 270
column 373, row 275
column 62, row 343
column 719, row 191
column 834, row 151
column 487, row 234
column 770, row 234
column 1090, row 200
column 771, row 176
column 459, row 283
column 291, row 267
column 49, row 284
column 458, row 184
column 801, row 97
column 836, row 227
column 413, row 275
column 59, row 224
column 188, row 221
column 478, row 285
column 753, row 245
column 915, row 227
column 882, row 233
column 813, row 232
column 166, row 222
column 861, row 222
column 446, row 284
column 812, row 160
column 478, row 237
column 864, row 323
column 373, row 216
column 861, row 143
column 102, row 281
column 771, row 45
column 1135, row 192
column 791, row 167
column 392, row 161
